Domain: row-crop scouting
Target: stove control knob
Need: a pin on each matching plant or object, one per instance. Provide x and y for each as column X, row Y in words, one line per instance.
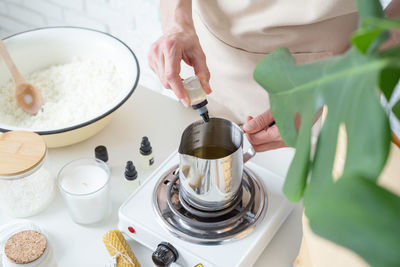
column 164, row 255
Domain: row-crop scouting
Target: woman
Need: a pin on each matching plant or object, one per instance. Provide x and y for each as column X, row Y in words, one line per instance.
column 235, row 35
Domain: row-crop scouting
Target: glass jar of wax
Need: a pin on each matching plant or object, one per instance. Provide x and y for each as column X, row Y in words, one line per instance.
column 26, row 186
column 85, row 186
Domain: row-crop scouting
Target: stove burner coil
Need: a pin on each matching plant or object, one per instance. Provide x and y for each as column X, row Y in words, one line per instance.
column 209, row 227
column 233, row 215
column 207, row 214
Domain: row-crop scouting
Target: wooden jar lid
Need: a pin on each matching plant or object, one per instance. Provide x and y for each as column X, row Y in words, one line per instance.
column 25, row 247
column 20, row 151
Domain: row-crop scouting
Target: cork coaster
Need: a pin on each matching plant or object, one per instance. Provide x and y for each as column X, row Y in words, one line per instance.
column 25, row 247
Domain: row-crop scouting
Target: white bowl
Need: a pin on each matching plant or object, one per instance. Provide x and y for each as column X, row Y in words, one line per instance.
column 40, row 48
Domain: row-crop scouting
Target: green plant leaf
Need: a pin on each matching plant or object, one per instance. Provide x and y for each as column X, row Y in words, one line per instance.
column 390, row 76
column 347, row 85
column 369, row 36
column 356, row 207
column 381, row 23
column 299, row 168
column 372, row 33
column 364, row 38
column 353, row 211
column 370, row 8
column 396, row 110
column 388, row 80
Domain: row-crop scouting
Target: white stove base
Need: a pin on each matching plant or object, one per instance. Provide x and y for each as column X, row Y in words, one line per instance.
column 138, row 212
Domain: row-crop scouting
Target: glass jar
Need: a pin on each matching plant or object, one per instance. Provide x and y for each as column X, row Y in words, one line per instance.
column 85, row 186
column 46, row 259
column 26, row 186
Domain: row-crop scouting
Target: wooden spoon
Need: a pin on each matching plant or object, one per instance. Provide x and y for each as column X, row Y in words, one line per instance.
column 28, row 97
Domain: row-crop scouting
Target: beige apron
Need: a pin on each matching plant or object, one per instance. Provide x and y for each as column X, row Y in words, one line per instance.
column 236, row 34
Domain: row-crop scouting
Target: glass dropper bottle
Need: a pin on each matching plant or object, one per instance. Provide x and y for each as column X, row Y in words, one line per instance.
column 198, row 98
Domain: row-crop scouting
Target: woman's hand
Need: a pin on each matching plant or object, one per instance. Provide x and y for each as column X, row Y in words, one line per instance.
column 261, row 136
column 179, row 42
column 165, row 60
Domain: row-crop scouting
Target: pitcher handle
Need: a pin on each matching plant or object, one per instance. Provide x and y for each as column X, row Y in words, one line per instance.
column 249, row 154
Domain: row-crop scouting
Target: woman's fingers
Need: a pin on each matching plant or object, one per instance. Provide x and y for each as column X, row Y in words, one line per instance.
column 152, row 58
column 268, row 135
column 165, row 58
column 267, row 138
column 201, row 70
column 259, row 123
column 160, row 70
column 156, row 62
column 269, row 146
column 171, row 74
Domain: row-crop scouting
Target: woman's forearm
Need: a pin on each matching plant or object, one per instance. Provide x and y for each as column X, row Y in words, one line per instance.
column 176, row 15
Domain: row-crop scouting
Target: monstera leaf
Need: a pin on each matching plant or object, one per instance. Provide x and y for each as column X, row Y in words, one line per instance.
column 353, row 210
column 396, row 110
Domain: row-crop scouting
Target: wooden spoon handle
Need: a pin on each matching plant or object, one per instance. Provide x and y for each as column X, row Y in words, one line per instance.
column 18, row 79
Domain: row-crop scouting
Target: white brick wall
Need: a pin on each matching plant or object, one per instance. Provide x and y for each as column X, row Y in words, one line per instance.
column 73, row 4
column 136, row 22
column 49, row 9
column 25, row 14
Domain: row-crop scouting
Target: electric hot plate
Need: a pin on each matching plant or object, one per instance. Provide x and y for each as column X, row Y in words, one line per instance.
column 158, row 217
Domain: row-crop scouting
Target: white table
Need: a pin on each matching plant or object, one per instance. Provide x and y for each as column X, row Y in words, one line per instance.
column 162, row 120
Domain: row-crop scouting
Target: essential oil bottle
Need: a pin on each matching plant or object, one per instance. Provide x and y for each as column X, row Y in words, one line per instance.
column 131, row 180
column 198, row 98
column 146, row 153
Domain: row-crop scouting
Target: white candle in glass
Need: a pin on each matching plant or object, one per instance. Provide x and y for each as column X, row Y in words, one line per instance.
column 84, row 184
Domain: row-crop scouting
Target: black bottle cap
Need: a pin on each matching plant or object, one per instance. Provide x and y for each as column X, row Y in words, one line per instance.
column 145, row 147
column 100, row 152
column 200, row 105
column 130, row 171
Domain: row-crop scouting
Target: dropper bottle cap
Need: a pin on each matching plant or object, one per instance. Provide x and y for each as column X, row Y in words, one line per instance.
column 130, row 171
column 100, row 152
column 202, row 110
column 145, row 146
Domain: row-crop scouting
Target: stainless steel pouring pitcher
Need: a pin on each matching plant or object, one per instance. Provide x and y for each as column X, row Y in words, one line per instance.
column 211, row 164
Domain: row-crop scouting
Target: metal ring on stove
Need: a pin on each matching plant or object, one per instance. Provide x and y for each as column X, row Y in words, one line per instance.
column 210, row 224
column 178, row 226
column 211, row 214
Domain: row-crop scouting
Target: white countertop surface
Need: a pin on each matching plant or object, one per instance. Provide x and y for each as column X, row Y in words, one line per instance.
column 163, row 120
